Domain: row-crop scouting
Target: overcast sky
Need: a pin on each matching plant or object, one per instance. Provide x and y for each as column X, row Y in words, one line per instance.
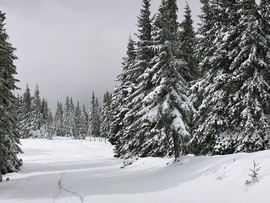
column 73, row 47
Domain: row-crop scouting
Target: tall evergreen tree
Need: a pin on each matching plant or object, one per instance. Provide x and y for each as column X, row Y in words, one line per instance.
column 167, row 106
column 78, row 122
column 206, row 31
column 188, row 44
column 234, row 114
column 44, row 110
column 47, row 120
column 67, row 116
column 161, row 122
column 36, row 117
column 71, row 118
column 105, row 117
column 24, row 113
column 84, row 123
column 94, row 120
column 49, row 123
column 98, row 117
column 58, row 125
column 119, row 105
column 144, row 34
column 9, row 137
column 69, row 113
column 27, row 99
column 140, row 83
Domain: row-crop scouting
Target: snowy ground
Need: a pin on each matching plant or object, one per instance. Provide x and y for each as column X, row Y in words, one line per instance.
column 64, row 170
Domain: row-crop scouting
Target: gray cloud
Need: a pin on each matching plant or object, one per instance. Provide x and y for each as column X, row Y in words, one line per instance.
column 73, row 47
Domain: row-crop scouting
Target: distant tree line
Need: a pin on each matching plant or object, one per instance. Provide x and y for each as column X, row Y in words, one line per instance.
column 179, row 91
column 35, row 119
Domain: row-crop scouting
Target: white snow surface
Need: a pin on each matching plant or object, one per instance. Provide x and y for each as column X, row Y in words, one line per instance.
column 69, row 171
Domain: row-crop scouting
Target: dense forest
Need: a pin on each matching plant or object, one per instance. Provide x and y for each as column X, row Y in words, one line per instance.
column 180, row 91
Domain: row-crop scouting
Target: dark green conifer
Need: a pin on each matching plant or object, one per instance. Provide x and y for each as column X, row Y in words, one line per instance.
column 139, row 83
column 188, row 45
column 120, row 93
column 58, row 123
column 9, row 137
column 94, row 120
column 166, row 109
column 234, row 113
column 105, row 116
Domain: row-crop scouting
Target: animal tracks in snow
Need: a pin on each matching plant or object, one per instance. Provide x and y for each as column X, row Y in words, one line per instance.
column 65, row 188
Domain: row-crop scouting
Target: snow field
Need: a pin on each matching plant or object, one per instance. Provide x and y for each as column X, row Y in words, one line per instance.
column 64, row 170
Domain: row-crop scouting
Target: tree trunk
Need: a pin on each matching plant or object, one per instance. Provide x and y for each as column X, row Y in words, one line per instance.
column 176, row 145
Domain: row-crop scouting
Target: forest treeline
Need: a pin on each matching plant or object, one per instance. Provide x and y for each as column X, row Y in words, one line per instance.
column 180, row 91
column 35, row 119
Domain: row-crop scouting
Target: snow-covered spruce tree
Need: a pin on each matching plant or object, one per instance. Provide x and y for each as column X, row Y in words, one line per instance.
column 58, row 121
column 208, row 28
column 264, row 10
column 78, row 123
column 188, row 45
column 206, row 36
column 36, row 117
column 47, row 120
column 208, row 93
column 144, row 34
column 94, row 120
column 214, row 21
column 71, row 119
column 105, row 116
column 9, row 137
column 24, row 113
column 166, row 107
column 84, row 123
column 27, row 99
column 140, row 83
column 98, row 116
column 250, row 79
column 118, row 103
column 234, row 114
column 66, row 116
column 69, row 114
column 215, row 74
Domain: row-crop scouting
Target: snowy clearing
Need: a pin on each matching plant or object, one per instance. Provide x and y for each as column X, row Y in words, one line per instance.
column 64, row 170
